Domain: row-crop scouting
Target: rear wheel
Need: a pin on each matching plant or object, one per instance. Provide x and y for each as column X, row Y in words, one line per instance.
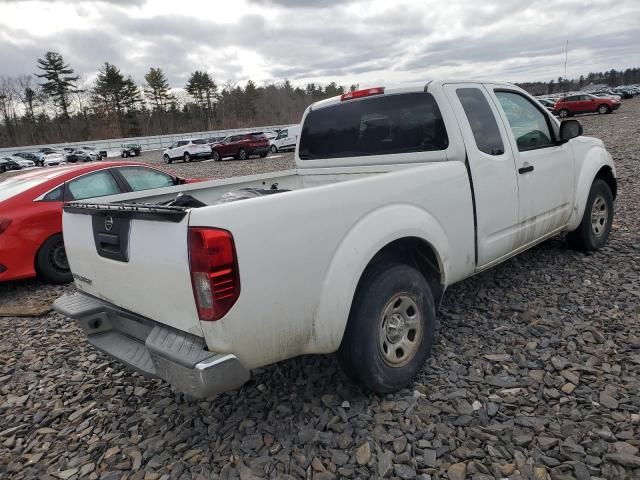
column 563, row 113
column 187, row 157
column 595, row 226
column 603, row 109
column 391, row 328
column 242, row 154
column 125, row 154
column 167, row 159
column 51, row 261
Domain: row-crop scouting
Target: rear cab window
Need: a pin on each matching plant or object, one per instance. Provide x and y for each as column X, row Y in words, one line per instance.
column 481, row 120
column 381, row 125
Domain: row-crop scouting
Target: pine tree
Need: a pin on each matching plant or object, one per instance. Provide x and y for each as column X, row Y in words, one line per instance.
column 59, row 80
column 114, row 93
column 157, row 89
column 204, row 91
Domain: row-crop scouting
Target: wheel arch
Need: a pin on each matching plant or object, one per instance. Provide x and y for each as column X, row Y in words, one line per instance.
column 411, row 235
column 597, row 164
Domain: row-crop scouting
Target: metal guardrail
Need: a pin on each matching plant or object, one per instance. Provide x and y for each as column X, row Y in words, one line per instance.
column 154, row 142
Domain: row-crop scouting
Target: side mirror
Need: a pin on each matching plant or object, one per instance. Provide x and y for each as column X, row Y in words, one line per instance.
column 570, row 129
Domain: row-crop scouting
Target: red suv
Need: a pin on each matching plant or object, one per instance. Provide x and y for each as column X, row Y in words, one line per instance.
column 241, row 146
column 584, row 103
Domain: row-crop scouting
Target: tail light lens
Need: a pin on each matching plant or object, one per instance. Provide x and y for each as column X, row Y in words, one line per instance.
column 4, row 224
column 214, row 271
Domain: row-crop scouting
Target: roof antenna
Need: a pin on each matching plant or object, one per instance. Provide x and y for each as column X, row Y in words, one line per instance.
column 566, row 54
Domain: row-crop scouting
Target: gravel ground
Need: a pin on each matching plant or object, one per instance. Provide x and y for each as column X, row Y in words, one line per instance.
column 535, row 375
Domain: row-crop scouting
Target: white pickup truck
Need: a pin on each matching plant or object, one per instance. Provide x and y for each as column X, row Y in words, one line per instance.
column 396, row 195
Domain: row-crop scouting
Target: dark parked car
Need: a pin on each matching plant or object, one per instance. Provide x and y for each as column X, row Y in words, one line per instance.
column 241, row 146
column 8, row 164
column 130, row 150
column 575, row 104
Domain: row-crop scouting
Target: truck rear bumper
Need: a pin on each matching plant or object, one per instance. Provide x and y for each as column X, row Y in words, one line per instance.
column 154, row 349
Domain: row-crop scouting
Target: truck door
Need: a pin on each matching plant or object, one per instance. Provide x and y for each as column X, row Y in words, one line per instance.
column 545, row 169
column 492, row 169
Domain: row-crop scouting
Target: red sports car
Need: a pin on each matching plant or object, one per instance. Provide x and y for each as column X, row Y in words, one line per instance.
column 31, row 211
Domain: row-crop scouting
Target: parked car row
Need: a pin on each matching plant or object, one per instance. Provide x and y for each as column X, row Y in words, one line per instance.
column 50, row 157
column 604, row 100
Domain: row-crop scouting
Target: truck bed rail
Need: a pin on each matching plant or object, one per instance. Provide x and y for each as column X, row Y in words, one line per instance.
column 129, row 210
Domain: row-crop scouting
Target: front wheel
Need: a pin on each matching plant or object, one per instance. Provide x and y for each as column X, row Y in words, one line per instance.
column 51, row 261
column 595, row 226
column 563, row 113
column 187, row 157
column 603, row 109
column 242, row 154
column 167, row 159
column 274, row 149
column 391, row 328
column 215, row 155
column 125, row 154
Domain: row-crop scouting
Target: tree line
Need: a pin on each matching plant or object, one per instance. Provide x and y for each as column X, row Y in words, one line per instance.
column 56, row 105
column 611, row 78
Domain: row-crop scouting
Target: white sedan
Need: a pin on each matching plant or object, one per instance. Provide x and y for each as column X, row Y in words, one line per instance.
column 53, row 160
column 23, row 162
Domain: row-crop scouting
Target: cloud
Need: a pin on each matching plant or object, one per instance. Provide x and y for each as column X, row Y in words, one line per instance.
column 390, row 42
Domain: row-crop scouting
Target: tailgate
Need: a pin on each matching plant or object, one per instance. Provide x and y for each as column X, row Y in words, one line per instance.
column 135, row 257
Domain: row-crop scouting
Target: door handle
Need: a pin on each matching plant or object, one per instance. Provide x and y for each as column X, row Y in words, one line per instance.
column 525, row 169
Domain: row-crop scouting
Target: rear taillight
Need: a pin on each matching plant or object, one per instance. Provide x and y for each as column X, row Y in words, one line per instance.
column 214, row 271
column 4, row 224
column 367, row 92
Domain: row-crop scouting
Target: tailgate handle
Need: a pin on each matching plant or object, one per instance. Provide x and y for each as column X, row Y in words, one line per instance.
column 107, row 238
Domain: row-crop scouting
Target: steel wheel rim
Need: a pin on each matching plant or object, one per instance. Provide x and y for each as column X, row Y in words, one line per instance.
column 599, row 216
column 399, row 330
column 58, row 258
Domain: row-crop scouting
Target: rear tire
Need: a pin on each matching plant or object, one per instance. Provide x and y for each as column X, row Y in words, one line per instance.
column 51, row 261
column 595, row 226
column 602, row 109
column 215, row 155
column 167, row 159
column 125, row 154
column 242, row 154
column 563, row 113
column 391, row 328
column 274, row 149
column 187, row 157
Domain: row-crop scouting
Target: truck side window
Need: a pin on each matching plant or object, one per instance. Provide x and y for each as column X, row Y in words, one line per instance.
column 382, row 125
column 528, row 124
column 482, row 121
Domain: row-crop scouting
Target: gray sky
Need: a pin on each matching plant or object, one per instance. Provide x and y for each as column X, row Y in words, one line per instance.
column 369, row 43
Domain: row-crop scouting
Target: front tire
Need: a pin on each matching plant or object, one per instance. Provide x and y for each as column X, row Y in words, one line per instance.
column 263, row 155
column 595, row 226
column 274, row 149
column 186, row 158
column 216, row 156
column 167, row 159
column 125, row 154
column 51, row 261
column 242, row 154
column 391, row 328
column 563, row 113
column 602, row 109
